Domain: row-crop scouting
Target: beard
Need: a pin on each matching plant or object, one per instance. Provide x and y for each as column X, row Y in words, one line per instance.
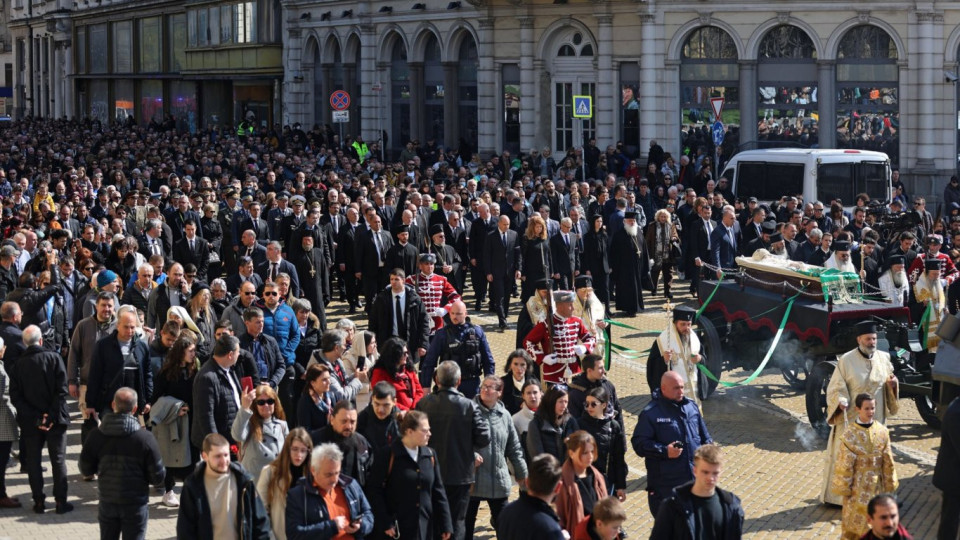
column 899, row 278
column 632, row 229
column 868, row 350
column 779, row 251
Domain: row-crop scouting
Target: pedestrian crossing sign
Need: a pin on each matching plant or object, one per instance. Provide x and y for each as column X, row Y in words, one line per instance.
column 583, row 106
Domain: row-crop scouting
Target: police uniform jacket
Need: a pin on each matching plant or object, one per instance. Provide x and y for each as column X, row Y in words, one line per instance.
column 662, row 422
column 408, row 493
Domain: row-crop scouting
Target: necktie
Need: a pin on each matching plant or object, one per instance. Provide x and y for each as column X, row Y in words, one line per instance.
column 566, row 240
column 504, row 238
column 398, row 313
column 154, row 247
column 336, row 224
column 273, row 271
column 376, row 240
column 191, row 245
column 250, row 251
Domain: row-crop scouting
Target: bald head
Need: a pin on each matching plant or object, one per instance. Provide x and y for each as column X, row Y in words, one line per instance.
column 458, row 312
column 671, row 386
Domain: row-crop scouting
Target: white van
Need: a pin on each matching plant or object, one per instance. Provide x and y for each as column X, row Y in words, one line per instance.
column 820, row 175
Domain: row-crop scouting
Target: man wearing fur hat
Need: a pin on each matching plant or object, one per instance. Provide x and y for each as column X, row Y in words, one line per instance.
column 558, row 346
column 436, row 291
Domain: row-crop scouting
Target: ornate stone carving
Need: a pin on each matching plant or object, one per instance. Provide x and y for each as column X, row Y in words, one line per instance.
column 929, row 16
column 783, row 17
column 705, row 18
column 863, row 16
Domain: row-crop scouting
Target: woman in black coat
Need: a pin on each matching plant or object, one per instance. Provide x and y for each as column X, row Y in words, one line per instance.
column 594, row 259
column 405, row 494
column 518, row 369
column 551, row 425
column 211, row 231
column 611, row 443
column 535, row 257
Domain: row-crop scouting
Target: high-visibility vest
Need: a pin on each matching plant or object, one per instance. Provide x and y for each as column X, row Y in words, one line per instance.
column 361, row 149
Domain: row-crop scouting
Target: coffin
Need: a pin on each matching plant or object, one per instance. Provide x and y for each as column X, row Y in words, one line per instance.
column 787, row 277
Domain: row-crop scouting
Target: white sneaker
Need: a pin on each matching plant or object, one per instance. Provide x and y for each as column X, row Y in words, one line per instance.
column 170, row 499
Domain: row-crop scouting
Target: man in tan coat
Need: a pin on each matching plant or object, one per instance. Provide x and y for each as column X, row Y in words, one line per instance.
column 862, row 370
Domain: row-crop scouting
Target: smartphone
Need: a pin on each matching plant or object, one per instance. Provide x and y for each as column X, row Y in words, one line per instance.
column 678, row 445
column 361, row 362
column 246, row 383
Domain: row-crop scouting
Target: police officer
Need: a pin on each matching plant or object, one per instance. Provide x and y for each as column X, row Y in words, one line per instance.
column 669, row 431
column 464, row 343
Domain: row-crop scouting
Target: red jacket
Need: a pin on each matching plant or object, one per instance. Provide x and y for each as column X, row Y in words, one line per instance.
column 407, row 385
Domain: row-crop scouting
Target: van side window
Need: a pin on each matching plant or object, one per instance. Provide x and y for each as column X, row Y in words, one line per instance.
column 768, row 181
column 835, row 180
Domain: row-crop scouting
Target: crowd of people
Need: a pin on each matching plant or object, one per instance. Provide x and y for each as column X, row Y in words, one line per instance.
column 176, row 285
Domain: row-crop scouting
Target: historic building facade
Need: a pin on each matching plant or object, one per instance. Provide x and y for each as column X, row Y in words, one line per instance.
column 502, row 74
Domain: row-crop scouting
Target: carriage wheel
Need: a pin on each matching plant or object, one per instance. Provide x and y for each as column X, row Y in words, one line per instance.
column 712, row 356
column 795, row 369
column 817, row 383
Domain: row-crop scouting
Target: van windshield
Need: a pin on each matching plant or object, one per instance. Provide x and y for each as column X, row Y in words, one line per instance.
column 845, row 181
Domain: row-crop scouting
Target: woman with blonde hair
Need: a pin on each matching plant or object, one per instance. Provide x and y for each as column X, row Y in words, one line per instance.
column 535, row 262
column 203, row 317
column 661, row 237
column 278, row 477
column 582, row 485
column 260, row 428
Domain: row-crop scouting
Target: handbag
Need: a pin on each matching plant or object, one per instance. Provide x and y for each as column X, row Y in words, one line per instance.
column 675, row 251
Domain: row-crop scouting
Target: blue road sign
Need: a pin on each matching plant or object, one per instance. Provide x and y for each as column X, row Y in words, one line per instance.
column 583, row 106
column 718, row 133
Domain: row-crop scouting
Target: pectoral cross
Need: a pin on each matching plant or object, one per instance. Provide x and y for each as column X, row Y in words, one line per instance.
column 313, row 272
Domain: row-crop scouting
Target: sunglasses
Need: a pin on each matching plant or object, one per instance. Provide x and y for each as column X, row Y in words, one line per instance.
column 262, row 402
column 592, row 404
column 270, row 293
column 249, row 294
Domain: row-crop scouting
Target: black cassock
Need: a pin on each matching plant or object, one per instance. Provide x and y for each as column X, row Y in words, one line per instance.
column 631, row 271
column 314, row 271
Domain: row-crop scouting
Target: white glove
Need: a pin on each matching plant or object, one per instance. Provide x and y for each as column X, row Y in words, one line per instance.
column 550, row 359
column 439, row 312
column 580, row 349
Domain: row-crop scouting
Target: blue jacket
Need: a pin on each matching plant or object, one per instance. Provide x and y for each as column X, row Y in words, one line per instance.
column 308, row 517
column 529, row 518
column 282, row 325
column 660, row 423
column 676, row 518
column 470, row 382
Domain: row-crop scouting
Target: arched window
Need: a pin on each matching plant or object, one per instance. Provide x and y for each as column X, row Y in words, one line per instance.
column 574, row 75
column 868, row 91
column 708, row 72
column 433, row 92
column 399, row 97
column 467, row 66
column 787, row 92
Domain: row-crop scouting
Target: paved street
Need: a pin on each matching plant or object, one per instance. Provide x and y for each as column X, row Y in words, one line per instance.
column 775, row 462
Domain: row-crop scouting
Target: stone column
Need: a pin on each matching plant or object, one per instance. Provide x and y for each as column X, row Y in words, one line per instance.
column 326, row 74
column 926, row 77
column 69, row 96
column 384, row 119
column 293, row 104
column 356, row 98
column 648, row 82
column 826, row 75
column 451, row 105
column 56, row 69
column 489, row 112
column 528, row 81
column 53, row 77
column 416, row 101
column 748, row 101
column 372, row 101
column 606, row 100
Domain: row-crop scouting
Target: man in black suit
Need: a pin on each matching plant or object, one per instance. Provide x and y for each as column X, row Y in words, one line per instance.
column 703, row 226
column 724, row 241
column 403, row 254
column 441, row 215
column 479, row 231
column 411, row 324
column 761, row 242
column 518, row 216
column 192, row 249
column 244, row 273
column 456, row 236
column 331, row 223
column 448, row 260
column 249, row 247
column 754, row 226
column 275, row 264
column 178, row 217
column 256, row 224
column 346, row 258
column 501, row 266
column 370, row 260
column 385, row 211
column 151, row 243
column 566, row 258
column 67, row 222
column 216, row 392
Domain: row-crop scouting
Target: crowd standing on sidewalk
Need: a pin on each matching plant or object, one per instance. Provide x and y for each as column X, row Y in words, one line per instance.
column 176, row 286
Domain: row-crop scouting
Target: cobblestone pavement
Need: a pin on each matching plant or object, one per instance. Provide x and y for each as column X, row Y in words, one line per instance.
column 775, row 461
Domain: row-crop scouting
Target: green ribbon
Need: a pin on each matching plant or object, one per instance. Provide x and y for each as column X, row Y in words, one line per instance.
column 776, row 340
column 925, row 323
column 709, row 298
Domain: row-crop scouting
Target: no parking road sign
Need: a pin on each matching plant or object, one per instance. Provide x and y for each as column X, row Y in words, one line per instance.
column 339, row 100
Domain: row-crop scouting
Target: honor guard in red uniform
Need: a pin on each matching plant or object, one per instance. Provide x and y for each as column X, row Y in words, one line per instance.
column 558, row 342
column 436, row 292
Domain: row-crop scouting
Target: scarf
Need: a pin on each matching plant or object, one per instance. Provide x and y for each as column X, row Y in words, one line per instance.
column 683, row 349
